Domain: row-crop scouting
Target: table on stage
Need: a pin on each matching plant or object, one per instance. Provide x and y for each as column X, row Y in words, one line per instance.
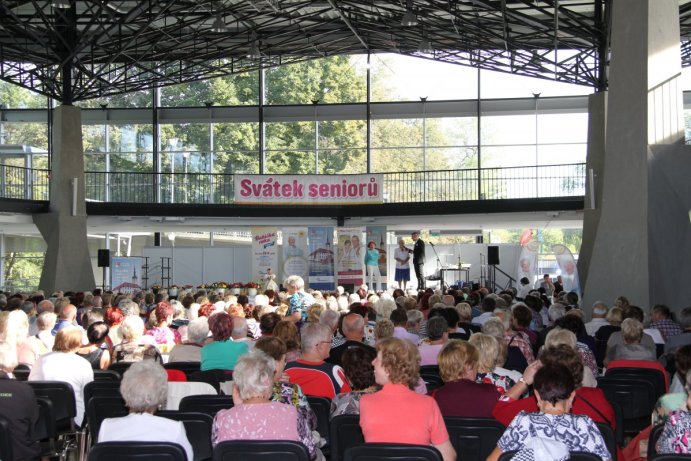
column 464, row 268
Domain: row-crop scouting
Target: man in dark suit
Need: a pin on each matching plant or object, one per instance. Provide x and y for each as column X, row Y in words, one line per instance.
column 419, row 260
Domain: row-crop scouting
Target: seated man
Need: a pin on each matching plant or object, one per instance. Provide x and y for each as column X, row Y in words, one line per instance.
column 354, row 331
column 314, row 375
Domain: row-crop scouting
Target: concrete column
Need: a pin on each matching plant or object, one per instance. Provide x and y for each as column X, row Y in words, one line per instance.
column 67, row 264
column 644, row 109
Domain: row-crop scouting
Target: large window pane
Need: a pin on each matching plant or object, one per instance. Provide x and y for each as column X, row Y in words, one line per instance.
column 34, row 135
column 15, row 97
column 562, row 128
column 236, row 148
column 232, row 90
column 555, row 154
column 128, row 100
column 508, row 129
column 407, row 78
column 508, row 156
column 505, row 85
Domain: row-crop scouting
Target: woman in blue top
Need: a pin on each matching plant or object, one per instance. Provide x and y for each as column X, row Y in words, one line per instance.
column 223, row 352
column 372, row 266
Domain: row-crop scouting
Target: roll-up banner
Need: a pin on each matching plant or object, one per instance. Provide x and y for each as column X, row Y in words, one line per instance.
column 569, row 270
column 264, row 252
column 321, row 258
column 350, row 259
column 125, row 274
column 294, row 252
column 527, row 262
column 353, row 189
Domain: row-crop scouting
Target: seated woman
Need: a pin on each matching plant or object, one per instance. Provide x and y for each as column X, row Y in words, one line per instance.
column 437, row 336
column 631, row 349
column 255, row 416
column 162, row 332
column 555, row 392
column 491, row 355
column 461, row 395
column 676, row 435
column 94, row 353
column 288, row 332
column 144, row 388
column 382, row 413
column 590, row 401
column 134, row 347
column 223, row 352
column 559, row 336
column 359, row 372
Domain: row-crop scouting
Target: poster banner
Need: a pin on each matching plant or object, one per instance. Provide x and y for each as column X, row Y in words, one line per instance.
column 264, row 252
column 294, row 252
column 569, row 270
column 125, row 274
column 352, row 189
column 527, row 262
column 321, row 258
column 376, row 238
column 350, row 262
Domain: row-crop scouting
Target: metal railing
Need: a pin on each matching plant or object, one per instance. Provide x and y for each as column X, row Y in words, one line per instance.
column 566, row 180
column 24, row 183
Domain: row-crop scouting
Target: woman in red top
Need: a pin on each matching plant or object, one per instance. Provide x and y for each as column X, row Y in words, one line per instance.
column 589, row 401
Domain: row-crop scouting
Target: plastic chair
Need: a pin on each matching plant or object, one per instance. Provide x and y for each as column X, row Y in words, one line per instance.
column 321, row 406
column 473, row 438
column 99, row 408
column 64, row 433
column 574, row 456
column 261, row 450
column 137, row 451
column 640, row 369
column 209, row 404
column 392, row 452
column 186, row 367
column 176, row 376
column 5, row 439
column 345, row 432
column 198, row 430
column 101, row 389
column 668, row 457
column 610, row 440
column 107, row 376
column 120, row 367
column 655, row 434
column 636, row 398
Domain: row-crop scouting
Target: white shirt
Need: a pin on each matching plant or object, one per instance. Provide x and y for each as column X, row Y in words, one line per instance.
column 482, row 318
column 401, row 254
column 143, row 427
column 594, row 325
column 67, row 367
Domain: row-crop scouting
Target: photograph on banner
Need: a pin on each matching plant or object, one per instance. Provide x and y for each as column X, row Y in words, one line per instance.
column 527, row 262
column 569, row 270
column 321, row 258
column 125, row 274
column 264, row 253
column 294, row 252
column 350, row 263
column 376, row 258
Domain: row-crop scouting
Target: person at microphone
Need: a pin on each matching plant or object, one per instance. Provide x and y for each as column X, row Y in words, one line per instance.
column 419, row 259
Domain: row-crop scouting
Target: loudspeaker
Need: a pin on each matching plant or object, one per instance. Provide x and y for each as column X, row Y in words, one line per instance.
column 340, row 221
column 103, row 258
column 479, row 239
column 157, row 239
column 492, row 255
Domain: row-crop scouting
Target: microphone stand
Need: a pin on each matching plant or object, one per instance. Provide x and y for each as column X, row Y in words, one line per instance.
column 439, row 265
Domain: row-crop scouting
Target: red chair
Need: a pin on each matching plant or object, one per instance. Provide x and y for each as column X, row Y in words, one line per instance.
column 631, row 367
column 176, row 376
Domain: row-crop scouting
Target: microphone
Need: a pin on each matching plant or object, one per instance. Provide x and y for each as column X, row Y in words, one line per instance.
column 431, row 243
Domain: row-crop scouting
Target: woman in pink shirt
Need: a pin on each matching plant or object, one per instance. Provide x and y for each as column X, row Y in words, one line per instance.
column 396, row 368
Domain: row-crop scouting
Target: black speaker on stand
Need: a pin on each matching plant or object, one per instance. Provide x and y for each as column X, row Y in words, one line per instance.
column 493, row 255
column 104, row 261
column 157, row 239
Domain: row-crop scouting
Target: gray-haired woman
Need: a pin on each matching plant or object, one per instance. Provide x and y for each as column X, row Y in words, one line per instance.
column 144, row 387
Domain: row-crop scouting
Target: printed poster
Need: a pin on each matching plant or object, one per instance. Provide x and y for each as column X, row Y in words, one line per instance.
column 264, row 252
column 569, row 270
column 125, row 274
column 527, row 262
column 350, row 262
column 295, row 252
column 321, row 258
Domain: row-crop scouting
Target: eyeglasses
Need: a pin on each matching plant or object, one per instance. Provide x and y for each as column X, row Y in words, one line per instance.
column 324, row 342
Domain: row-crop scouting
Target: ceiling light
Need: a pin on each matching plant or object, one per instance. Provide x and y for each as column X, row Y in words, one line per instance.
column 219, row 26
column 409, row 19
column 254, row 52
column 62, row 4
column 425, row 46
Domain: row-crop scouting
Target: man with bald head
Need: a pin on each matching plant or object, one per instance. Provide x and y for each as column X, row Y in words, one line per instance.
column 353, row 328
column 66, row 318
column 599, row 320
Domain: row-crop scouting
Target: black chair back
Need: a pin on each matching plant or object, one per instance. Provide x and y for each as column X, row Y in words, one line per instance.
column 99, row 408
column 213, row 377
column 573, row 456
column 137, row 451
column 198, row 429
column 655, row 434
column 673, row 457
column 610, row 439
column 209, row 404
column 636, row 398
column 322, row 408
column 5, row 439
column 392, row 452
column 473, row 438
column 186, row 367
column 345, row 432
column 45, row 426
column 261, row 450
column 107, row 375
column 61, row 396
column 120, row 367
column 655, row 377
column 101, row 389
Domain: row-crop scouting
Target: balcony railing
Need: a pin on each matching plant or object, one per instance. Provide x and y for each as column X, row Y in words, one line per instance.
column 567, row 180
column 24, row 183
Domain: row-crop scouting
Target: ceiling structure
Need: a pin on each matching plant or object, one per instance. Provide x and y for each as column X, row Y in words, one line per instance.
column 82, row 49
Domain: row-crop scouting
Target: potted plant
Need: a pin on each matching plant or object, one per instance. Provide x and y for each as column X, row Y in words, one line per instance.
column 236, row 288
column 252, row 288
column 173, row 290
